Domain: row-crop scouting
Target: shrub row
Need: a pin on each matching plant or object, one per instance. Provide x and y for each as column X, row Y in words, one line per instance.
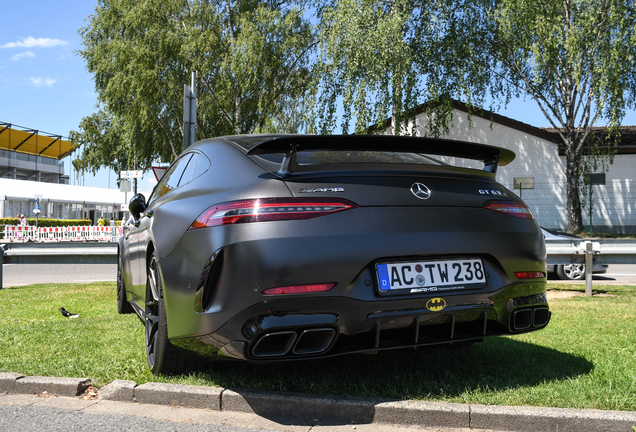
column 45, row 223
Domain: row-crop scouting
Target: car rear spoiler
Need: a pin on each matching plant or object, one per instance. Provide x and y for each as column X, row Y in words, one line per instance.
column 290, row 145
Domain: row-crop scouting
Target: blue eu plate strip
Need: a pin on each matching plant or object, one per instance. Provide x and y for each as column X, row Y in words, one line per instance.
column 383, row 277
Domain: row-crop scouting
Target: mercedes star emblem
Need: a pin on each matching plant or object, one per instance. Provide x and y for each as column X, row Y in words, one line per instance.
column 421, row 191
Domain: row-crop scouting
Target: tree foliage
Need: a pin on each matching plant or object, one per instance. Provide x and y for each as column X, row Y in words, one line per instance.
column 249, row 56
column 366, row 61
column 577, row 60
column 379, row 59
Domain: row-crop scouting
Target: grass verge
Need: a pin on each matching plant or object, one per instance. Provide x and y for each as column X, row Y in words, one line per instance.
column 585, row 358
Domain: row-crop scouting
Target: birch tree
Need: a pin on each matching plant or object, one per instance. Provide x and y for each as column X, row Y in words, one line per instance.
column 577, row 60
column 249, row 56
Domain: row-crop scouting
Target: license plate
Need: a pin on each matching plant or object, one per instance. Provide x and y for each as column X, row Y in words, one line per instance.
column 430, row 276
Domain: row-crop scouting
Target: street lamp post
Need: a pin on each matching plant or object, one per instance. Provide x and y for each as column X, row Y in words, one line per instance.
column 37, row 210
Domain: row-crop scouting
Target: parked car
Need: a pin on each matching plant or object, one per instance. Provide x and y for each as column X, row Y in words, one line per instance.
column 270, row 248
column 569, row 271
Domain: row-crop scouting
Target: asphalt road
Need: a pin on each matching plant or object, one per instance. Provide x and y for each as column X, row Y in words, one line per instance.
column 56, row 420
column 62, row 414
column 617, row 274
column 26, row 274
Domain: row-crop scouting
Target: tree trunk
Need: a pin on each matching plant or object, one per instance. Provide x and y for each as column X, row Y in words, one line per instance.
column 238, row 92
column 575, row 220
column 238, row 102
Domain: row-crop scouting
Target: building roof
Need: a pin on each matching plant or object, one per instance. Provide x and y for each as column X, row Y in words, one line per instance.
column 485, row 114
column 30, row 141
column 626, row 144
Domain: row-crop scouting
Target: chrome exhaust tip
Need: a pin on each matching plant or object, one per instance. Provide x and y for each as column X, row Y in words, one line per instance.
column 314, row 341
column 274, row 344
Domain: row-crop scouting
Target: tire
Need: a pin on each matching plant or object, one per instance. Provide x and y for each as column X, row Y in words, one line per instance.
column 163, row 357
column 571, row 271
column 123, row 305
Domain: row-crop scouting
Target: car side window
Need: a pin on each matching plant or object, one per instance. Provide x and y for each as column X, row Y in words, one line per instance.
column 197, row 166
column 171, row 179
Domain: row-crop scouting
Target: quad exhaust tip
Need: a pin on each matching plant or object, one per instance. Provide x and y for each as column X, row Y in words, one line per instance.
column 314, row 341
column 523, row 319
column 274, row 344
column 309, row 341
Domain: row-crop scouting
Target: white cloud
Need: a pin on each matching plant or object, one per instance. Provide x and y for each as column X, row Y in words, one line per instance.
column 24, row 54
column 31, row 42
column 40, row 81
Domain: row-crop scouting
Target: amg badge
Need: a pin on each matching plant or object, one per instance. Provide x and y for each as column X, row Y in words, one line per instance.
column 315, row 190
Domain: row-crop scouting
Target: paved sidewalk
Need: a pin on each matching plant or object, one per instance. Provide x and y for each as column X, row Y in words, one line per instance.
column 292, row 411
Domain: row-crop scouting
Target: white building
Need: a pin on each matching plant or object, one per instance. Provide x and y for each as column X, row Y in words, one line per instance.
column 540, row 168
column 30, row 169
column 59, row 201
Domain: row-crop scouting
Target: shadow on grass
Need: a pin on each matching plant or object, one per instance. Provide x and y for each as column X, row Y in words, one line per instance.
column 425, row 373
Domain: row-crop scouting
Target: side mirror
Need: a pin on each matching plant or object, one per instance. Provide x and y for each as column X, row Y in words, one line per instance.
column 137, row 205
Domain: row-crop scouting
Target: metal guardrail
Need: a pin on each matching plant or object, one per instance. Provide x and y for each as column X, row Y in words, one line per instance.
column 606, row 251
column 57, row 253
column 590, row 252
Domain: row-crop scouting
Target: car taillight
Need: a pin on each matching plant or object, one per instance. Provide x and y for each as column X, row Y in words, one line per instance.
column 516, row 209
column 268, row 209
column 529, row 275
column 299, row 289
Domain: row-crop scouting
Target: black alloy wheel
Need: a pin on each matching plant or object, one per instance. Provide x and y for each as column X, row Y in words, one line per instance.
column 163, row 357
column 123, row 305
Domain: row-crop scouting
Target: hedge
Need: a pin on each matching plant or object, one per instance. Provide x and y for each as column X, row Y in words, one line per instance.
column 45, row 223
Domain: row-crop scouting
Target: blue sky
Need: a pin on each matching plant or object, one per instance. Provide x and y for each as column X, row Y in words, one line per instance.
column 44, row 84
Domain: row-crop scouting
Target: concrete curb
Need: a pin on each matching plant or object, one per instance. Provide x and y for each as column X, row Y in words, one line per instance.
column 7, row 381
column 179, row 395
column 20, row 384
column 332, row 409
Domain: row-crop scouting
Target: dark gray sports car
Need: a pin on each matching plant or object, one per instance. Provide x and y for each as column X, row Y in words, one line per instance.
column 282, row 247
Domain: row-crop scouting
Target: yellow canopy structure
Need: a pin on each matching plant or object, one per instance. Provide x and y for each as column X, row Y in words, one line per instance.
column 33, row 142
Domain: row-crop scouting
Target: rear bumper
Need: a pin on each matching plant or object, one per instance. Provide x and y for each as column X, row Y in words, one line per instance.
column 278, row 331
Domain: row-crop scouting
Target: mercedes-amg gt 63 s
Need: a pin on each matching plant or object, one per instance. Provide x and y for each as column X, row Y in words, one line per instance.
column 271, row 248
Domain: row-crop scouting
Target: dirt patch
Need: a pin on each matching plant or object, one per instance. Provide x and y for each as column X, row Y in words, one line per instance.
column 569, row 294
column 564, row 294
column 89, row 394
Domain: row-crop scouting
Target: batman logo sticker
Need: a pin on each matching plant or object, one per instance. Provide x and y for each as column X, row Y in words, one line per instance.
column 436, row 304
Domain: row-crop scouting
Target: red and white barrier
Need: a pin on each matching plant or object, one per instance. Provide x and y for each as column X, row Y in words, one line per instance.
column 57, row 234
column 101, row 233
column 52, row 234
column 20, row 233
column 78, row 233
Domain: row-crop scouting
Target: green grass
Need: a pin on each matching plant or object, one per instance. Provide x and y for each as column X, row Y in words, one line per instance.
column 585, row 358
